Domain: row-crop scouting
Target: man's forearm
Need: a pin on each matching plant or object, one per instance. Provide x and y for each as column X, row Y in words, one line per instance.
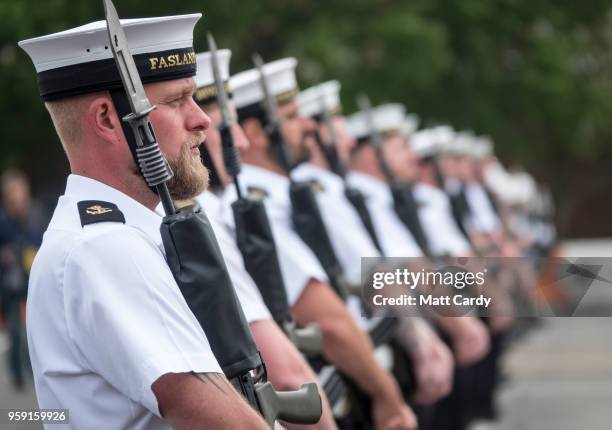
column 349, row 348
column 189, row 401
column 344, row 344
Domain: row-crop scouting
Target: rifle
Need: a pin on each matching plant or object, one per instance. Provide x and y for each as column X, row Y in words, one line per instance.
column 306, row 217
column 192, row 252
column 254, row 235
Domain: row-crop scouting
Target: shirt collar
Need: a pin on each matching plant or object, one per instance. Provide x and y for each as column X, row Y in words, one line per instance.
column 328, row 180
column 211, row 203
column 136, row 215
column 275, row 185
column 373, row 188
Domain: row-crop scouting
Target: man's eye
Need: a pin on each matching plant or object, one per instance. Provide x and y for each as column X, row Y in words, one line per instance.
column 177, row 101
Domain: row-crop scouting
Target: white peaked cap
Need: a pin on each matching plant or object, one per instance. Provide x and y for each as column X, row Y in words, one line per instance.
column 204, row 76
column 80, row 60
column 461, row 144
column 322, row 98
column 387, row 118
column 423, row 143
column 411, row 124
column 205, row 79
column 482, row 147
column 280, row 77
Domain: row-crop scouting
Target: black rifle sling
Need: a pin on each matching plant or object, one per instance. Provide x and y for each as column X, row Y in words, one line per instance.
column 406, row 209
column 461, row 210
column 357, row 199
column 256, row 243
column 309, row 225
column 198, row 267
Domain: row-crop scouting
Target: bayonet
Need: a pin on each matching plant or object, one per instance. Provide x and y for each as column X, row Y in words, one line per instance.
column 273, row 121
column 330, row 151
column 374, row 135
column 125, row 62
column 151, row 161
column 231, row 157
column 270, row 105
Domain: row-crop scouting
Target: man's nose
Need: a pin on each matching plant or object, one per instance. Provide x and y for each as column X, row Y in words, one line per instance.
column 198, row 119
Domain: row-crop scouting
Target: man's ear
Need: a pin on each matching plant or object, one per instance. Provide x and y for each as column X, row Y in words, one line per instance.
column 103, row 121
column 255, row 133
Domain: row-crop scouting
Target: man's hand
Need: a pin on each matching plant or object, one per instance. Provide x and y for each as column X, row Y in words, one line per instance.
column 204, row 400
column 389, row 412
column 470, row 340
column 434, row 372
column 432, row 360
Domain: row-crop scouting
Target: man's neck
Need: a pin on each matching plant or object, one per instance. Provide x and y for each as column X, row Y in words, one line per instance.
column 369, row 170
column 132, row 185
column 318, row 159
column 265, row 162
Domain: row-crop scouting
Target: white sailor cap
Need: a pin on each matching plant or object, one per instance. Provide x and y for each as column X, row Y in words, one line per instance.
column 387, row 118
column 423, row 144
column 320, row 99
column 247, row 91
column 461, row 144
column 411, row 125
column 80, row 61
column 205, row 80
column 482, row 147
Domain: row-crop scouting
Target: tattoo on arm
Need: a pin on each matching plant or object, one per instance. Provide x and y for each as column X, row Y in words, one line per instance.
column 210, row 378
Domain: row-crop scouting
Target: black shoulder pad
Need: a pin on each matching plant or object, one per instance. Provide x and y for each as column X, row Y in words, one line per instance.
column 92, row 211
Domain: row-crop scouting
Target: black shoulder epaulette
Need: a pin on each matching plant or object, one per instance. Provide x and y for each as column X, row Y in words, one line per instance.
column 92, row 211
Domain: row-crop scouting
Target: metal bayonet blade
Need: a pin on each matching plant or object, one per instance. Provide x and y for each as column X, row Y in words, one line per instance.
column 269, row 100
column 221, row 94
column 125, row 63
column 365, row 105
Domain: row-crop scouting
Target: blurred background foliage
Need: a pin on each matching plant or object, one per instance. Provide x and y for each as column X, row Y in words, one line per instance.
column 536, row 75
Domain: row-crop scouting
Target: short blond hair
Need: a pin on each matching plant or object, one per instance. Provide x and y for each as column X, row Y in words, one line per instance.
column 66, row 116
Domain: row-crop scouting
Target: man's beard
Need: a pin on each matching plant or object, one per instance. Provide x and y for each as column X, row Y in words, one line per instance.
column 190, row 176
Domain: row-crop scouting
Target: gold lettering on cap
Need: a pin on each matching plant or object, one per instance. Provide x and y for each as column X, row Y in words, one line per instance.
column 172, row 60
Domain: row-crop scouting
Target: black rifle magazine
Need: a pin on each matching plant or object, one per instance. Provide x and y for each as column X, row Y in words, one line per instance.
column 198, row 267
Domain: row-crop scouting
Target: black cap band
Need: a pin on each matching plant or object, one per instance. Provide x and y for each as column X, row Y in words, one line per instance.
column 103, row 75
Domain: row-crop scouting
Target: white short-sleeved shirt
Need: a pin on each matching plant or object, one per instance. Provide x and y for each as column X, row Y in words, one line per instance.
column 297, row 262
column 250, row 299
column 439, row 226
column 105, row 317
column 347, row 233
column 483, row 217
column 394, row 237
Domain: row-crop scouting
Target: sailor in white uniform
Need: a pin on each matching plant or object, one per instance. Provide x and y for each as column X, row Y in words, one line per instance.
column 110, row 335
column 443, row 235
column 366, row 175
column 347, row 232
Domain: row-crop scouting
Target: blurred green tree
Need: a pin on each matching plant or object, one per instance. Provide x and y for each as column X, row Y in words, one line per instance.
column 535, row 75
